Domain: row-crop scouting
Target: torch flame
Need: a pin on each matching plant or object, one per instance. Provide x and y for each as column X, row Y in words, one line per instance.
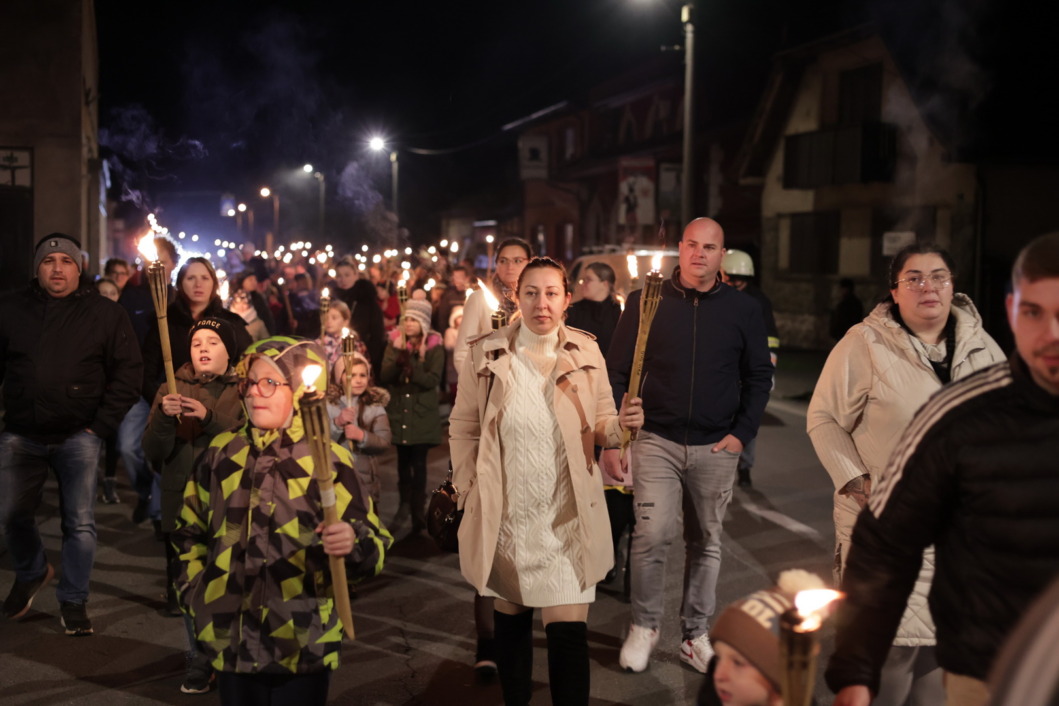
column 345, row 332
column 309, row 375
column 490, row 299
column 813, row 606
column 325, row 293
column 634, row 270
column 147, row 248
column 656, row 262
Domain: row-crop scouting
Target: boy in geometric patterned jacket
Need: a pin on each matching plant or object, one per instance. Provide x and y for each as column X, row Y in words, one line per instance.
column 253, row 550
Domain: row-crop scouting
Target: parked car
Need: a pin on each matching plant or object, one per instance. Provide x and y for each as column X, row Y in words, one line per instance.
column 619, row 261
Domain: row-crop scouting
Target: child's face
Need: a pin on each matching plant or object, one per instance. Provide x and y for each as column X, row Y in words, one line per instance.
column 108, row 290
column 270, row 412
column 411, row 327
column 208, row 354
column 359, row 378
column 334, row 322
column 738, row 682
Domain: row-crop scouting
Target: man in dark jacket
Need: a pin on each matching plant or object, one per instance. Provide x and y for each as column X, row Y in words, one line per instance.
column 707, row 376
column 70, row 368
column 975, row 476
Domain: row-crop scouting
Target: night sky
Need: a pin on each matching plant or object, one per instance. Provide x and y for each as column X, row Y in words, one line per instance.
column 199, row 98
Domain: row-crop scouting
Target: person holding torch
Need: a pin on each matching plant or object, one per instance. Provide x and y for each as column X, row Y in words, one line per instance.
column 535, row 532
column 255, row 555
column 706, row 376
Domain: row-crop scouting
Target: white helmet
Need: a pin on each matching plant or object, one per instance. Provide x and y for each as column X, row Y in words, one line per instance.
column 738, row 263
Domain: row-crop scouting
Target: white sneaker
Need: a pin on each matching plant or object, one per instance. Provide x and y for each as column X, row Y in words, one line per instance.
column 697, row 652
column 636, row 651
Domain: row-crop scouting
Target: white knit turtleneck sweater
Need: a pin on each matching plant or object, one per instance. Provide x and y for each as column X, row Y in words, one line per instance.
column 539, row 546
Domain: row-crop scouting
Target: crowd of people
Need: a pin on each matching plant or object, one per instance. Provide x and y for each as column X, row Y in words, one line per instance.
column 941, row 450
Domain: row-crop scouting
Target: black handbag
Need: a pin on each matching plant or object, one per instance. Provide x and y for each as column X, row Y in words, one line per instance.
column 443, row 519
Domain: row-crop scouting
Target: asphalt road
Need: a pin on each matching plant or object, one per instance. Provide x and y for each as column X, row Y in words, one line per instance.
column 414, row 623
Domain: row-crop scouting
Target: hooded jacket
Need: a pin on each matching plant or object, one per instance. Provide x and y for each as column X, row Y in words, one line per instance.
column 370, row 409
column 66, row 363
column 871, row 386
column 174, row 446
column 254, row 576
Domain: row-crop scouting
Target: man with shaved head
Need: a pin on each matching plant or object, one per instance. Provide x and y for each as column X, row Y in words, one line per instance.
column 706, row 380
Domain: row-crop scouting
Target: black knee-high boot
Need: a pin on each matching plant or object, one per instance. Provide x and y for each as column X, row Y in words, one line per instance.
column 568, row 672
column 514, row 656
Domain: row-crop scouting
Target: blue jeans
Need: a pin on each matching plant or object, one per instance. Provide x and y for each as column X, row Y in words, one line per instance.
column 24, row 468
column 144, row 481
column 668, row 477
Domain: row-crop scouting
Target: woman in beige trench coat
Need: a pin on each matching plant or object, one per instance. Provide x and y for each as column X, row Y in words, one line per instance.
column 532, row 403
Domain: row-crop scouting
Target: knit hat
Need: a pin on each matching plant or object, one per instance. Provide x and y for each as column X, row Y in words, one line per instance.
column 420, row 311
column 223, row 329
column 57, row 242
column 751, row 625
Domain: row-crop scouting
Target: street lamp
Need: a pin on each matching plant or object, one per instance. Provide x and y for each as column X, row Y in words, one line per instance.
column 268, row 193
column 377, row 144
column 689, row 110
column 308, row 169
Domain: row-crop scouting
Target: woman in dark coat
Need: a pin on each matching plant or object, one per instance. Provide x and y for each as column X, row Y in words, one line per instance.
column 597, row 311
column 197, row 298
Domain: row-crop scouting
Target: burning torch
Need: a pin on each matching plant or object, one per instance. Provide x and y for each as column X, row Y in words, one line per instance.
column 649, row 299
column 325, row 306
column 800, row 643
column 156, row 276
column 499, row 317
column 402, row 291
column 349, row 343
column 317, row 431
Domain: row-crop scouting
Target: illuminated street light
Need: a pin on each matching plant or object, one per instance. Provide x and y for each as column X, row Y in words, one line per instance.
column 377, row 144
column 308, row 169
column 242, row 208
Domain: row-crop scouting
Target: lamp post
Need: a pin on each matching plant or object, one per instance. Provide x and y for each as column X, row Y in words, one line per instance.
column 687, row 190
column 269, row 193
column 320, row 179
column 377, row 144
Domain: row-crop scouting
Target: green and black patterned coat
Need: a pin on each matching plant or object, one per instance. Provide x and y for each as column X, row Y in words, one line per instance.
column 254, row 575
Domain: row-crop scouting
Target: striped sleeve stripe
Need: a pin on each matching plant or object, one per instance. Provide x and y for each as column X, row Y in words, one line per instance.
column 935, row 408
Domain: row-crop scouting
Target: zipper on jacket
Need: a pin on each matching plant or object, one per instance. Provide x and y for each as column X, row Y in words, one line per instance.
column 691, row 387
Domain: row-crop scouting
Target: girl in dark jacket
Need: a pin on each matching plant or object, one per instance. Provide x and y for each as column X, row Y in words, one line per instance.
column 411, row 369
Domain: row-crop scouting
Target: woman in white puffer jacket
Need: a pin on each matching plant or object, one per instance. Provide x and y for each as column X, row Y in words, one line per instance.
column 874, row 381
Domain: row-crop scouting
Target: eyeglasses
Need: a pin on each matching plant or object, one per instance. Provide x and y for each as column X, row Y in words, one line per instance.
column 511, row 261
column 940, row 280
column 266, row 387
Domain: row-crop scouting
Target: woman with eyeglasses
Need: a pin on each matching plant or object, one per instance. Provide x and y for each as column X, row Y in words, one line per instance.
column 511, row 257
column 253, row 549
column 922, row 336
column 597, row 311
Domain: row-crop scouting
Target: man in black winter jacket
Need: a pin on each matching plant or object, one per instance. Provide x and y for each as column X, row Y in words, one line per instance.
column 706, row 380
column 70, row 368
column 975, row 475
